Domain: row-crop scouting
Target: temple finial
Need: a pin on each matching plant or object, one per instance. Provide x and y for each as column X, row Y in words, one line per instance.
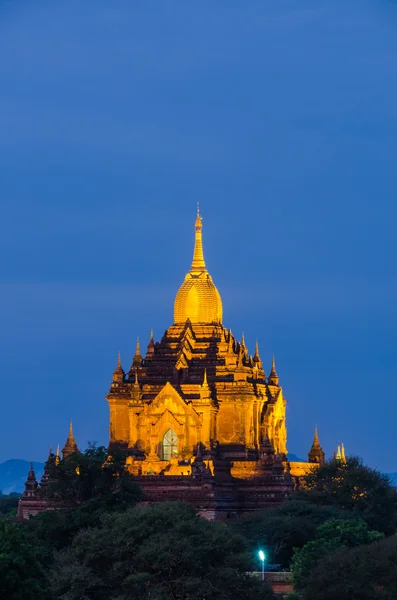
column 338, row 453
column 118, row 373
column 205, row 381
column 137, row 360
column 198, row 209
column 273, row 378
column 257, row 358
column 316, row 453
column 70, row 446
column 243, row 339
column 342, row 454
column 150, row 348
column 198, row 263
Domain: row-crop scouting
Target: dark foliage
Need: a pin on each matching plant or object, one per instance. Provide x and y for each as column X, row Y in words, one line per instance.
column 9, row 506
column 88, row 485
column 279, row 530
column 331, row 536
column 365, row 573
column 22, row 577
column 161, row 552
column 356, row 488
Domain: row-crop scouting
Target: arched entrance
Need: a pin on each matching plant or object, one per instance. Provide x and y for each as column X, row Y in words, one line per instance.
column 170, row 445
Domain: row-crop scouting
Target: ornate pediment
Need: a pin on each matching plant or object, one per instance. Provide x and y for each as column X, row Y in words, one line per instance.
column 168, row 399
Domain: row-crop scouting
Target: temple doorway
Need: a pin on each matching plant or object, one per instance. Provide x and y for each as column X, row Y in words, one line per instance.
column 170, row 445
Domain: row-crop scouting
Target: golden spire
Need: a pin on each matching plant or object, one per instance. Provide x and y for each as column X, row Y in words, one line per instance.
column 197, row 299
column 198, row 263
column 338, row 453
column 342, row 454
column 205, row 381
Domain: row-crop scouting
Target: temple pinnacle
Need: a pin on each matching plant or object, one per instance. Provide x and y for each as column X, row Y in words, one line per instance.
column 342, row 454
column 273, row 377
column 118, row 373
column 316, row 453
column 137, row 360
column 150, row 348
column 58, row 455
column 198, row 263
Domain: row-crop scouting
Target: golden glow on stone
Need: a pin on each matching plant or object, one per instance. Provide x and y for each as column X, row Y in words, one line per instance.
column 197, row 298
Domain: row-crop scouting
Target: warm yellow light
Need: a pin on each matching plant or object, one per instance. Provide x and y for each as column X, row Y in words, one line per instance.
column 197, row 298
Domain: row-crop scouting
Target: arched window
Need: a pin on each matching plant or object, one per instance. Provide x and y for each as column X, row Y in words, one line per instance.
column 170, row 445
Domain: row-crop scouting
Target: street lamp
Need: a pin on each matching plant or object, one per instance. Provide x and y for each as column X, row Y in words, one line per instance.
column 262, row 557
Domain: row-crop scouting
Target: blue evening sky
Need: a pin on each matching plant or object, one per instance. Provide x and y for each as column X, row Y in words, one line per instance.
column 280, row 117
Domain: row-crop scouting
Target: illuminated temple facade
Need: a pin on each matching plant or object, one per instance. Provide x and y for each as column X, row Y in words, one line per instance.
column 199, row 416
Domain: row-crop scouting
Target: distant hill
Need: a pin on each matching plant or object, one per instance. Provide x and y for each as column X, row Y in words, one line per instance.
column 13, row 474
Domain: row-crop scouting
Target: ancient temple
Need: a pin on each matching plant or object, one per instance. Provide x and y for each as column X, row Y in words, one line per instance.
column 199, row 417
column 197, row 394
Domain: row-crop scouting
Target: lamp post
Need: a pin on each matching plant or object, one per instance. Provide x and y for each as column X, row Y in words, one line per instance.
column 262, row 559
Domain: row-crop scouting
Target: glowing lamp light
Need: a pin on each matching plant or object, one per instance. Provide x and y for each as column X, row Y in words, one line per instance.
column 262, row 557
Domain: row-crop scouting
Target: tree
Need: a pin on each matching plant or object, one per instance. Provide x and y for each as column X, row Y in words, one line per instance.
column 86, row 485
column 164, row 552
column 9, row 506
column 92, row 474
column 21, row 575
column 356, row 488
column 367, row 572
column 331, row 536
column 283, row 528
